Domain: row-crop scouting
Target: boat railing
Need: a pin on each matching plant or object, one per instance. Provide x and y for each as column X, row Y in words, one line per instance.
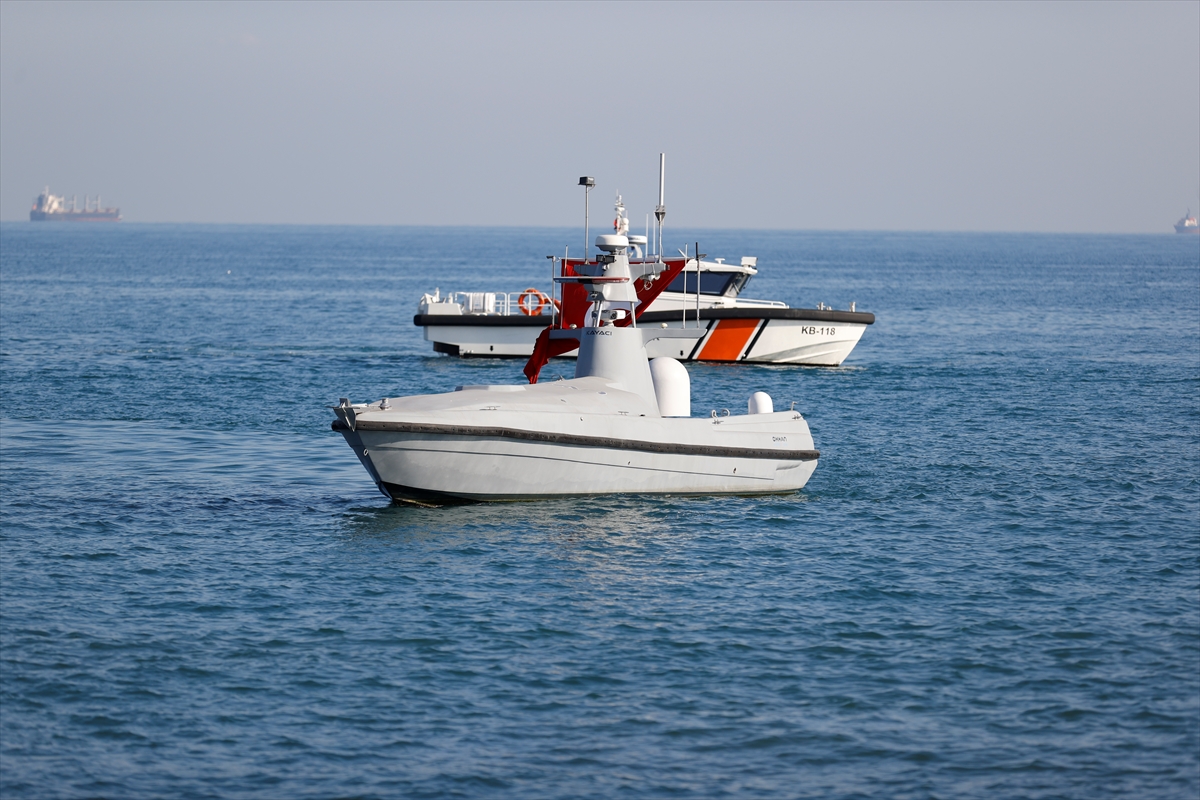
column 745, row 302
column 502, row 304
column 675, row 299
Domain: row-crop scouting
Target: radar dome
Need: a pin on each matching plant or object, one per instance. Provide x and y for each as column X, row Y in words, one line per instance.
column 611, row 242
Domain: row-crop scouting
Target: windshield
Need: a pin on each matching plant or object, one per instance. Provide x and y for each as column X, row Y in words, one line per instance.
column 710, row 282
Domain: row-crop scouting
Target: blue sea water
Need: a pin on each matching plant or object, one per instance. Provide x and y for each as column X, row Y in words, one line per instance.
column 990, row 588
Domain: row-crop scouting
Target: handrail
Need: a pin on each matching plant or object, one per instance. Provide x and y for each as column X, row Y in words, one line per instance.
column 504, row 304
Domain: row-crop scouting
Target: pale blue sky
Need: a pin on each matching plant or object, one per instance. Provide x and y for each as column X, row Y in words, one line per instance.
column 970, row 116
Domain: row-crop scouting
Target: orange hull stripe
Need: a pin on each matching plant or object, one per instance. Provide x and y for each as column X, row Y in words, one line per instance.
column 726, row 341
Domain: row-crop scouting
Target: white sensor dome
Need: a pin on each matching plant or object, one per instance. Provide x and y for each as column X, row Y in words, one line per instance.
column 760, row 403
column 672, row 387
column 611, row 242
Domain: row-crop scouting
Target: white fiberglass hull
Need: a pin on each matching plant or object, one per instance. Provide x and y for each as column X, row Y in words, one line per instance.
column 811, row 342
column 434, row 457
column 810, row 337
column 475, row 337
column 424, row 466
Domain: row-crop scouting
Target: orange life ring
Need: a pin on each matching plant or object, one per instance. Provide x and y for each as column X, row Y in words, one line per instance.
column 527, row 305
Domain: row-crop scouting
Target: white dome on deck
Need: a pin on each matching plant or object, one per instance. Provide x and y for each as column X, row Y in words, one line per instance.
column 611, row 242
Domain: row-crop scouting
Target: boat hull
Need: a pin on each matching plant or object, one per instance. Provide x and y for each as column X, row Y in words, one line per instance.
column 482, row 336
column 812, row 337
column 74, row 216
column 440, row 463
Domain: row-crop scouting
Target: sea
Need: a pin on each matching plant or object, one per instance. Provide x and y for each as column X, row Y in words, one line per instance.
column 990, row 588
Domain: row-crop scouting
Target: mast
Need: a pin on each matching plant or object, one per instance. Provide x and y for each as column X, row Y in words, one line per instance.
column 587, row 182
column 660, row 211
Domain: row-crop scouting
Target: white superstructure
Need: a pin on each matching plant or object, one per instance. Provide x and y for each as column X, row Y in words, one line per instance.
column 53, row 207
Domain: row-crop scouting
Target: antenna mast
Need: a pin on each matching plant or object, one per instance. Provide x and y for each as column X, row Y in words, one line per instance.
column 587, row 182
column 660, row 211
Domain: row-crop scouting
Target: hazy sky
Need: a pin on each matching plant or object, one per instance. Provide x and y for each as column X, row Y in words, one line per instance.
column 942, row 116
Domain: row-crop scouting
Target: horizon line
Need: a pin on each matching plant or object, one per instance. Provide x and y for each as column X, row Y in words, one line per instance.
column 108, row 224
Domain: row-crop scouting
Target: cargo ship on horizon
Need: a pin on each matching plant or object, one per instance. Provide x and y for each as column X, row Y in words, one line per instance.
column 54, row 208
column 1187, row 224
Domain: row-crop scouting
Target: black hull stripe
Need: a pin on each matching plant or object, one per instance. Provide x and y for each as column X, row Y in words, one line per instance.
column 753, row 341
column 432, row 499
column 545, row 437
column 522, row 321
column 483, row 320
column 860, row 317
column 699, row 342
column 428, row 498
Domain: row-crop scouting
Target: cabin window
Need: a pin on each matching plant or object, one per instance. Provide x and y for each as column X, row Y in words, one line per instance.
column 716, row 283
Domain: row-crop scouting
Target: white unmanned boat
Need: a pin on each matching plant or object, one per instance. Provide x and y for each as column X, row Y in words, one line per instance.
column 623, row 424
column 721, row 324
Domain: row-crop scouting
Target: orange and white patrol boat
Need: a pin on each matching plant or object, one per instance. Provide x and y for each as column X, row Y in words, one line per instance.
column 703, row 302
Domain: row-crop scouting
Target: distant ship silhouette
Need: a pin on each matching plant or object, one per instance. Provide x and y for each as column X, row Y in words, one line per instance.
column 53, row 208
